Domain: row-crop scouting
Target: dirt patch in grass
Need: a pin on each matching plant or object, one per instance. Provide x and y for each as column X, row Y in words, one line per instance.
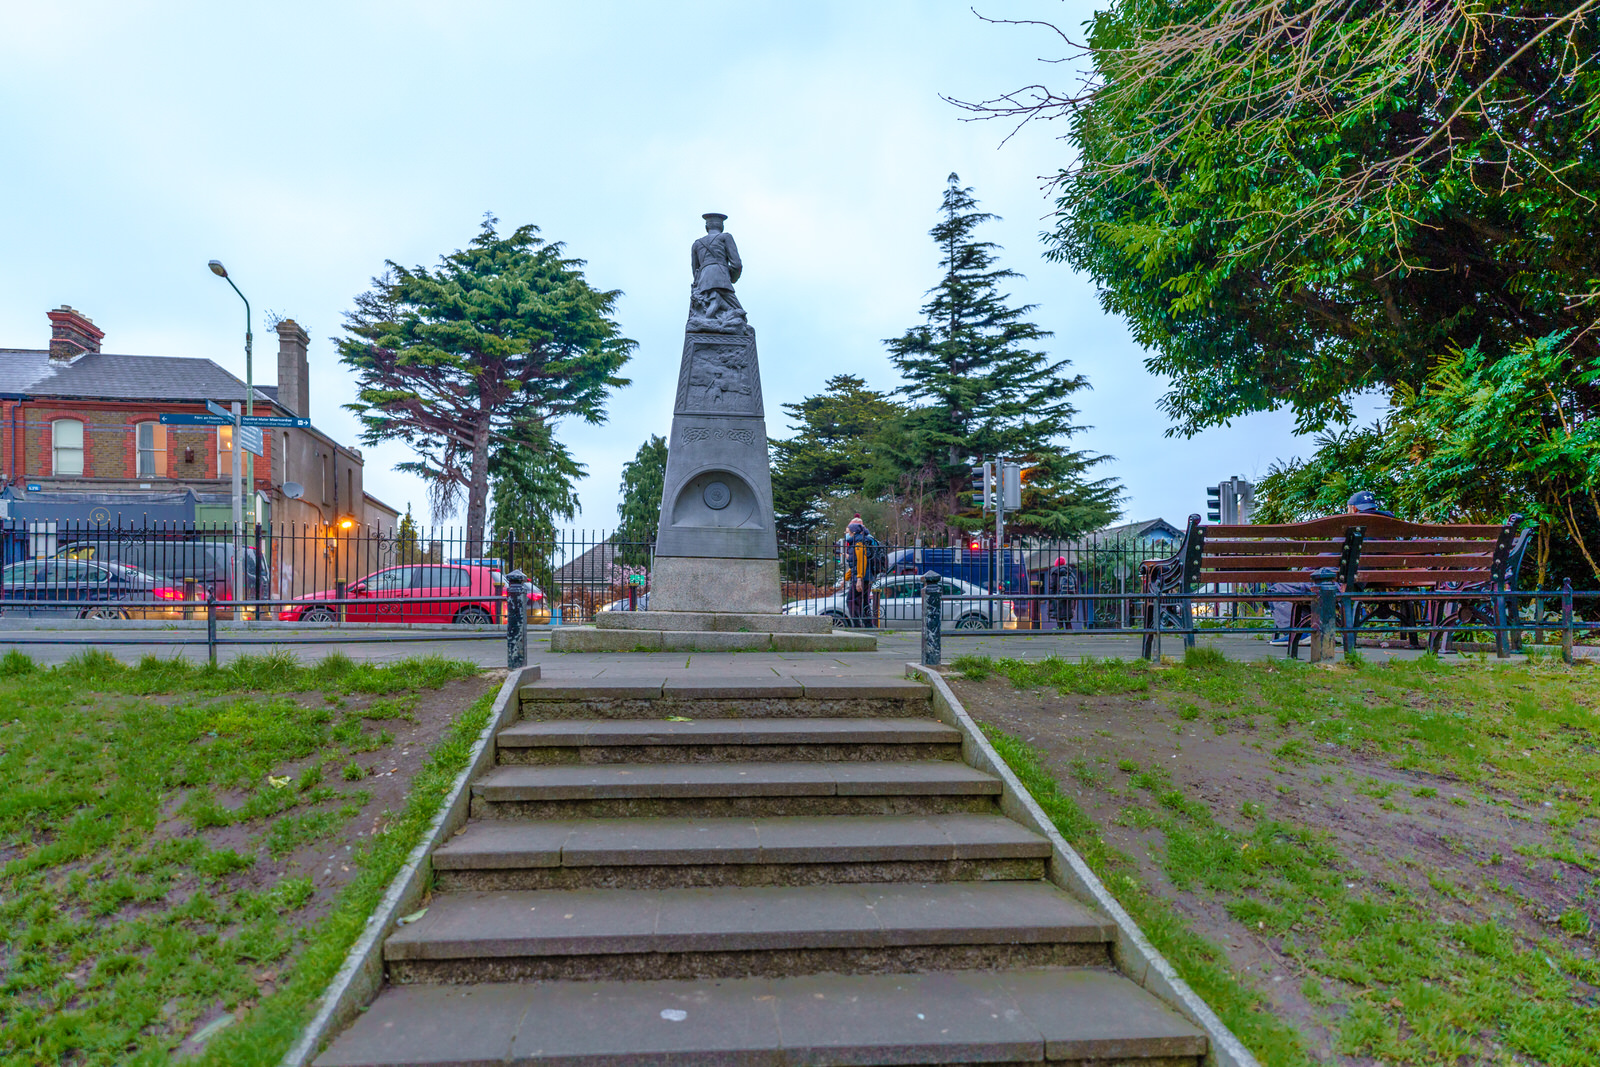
column 1380, row 853
column 182, row 845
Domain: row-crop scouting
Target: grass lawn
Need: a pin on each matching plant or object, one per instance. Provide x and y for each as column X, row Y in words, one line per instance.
column 1394, row 864
column 187, row 852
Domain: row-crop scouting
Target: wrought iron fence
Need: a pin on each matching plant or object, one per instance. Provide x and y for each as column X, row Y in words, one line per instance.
column 352, row 578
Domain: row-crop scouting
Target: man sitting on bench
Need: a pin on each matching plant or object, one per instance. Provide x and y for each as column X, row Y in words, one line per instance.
column 1360, row 503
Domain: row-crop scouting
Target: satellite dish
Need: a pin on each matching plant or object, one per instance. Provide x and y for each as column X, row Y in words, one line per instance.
column 293, row 490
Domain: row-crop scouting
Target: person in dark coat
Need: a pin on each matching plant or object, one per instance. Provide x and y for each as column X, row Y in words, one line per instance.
column 1360, row 503
column 1059, row 580
column 858, row 576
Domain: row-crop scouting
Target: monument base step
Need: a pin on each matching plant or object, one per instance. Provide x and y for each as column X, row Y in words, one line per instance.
column 592, row 639
column 717, row 621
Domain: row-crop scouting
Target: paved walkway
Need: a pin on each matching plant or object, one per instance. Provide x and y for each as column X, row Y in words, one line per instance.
column 895, row 648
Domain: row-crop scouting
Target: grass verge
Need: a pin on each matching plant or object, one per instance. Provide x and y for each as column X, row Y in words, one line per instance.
column 160, row 840
column 1411, row 847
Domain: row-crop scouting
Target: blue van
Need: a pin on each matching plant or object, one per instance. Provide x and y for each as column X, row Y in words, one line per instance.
column 973, row 565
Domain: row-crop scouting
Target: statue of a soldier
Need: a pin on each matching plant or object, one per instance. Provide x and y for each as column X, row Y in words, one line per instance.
column 713, row 307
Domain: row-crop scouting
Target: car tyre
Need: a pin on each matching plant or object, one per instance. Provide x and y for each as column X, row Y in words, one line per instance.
column 102, row 613
column 973, row 622
column 473, row 615
column 840, row 619
column 318, row 614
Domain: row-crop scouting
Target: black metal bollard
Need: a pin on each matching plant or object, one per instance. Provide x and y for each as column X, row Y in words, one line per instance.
column 211, row 628
column 932, row 618
column 516, row 620
column 1566, row 620
column 1325, row 642
column 1036, row 587
column 340, row 589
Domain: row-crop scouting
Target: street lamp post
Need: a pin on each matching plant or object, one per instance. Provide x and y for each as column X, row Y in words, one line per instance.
column 238, row 452
column 249, row 384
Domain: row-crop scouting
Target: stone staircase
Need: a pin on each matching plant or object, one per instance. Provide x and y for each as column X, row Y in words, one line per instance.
column 770, row 872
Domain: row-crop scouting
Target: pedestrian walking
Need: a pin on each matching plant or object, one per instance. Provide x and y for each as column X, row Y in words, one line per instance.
column 860, row 572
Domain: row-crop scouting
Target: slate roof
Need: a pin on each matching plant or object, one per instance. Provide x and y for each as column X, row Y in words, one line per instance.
column 108, row 376
column 1146, row 530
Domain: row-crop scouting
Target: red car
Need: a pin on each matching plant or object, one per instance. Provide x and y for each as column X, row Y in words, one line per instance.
column 394, row 595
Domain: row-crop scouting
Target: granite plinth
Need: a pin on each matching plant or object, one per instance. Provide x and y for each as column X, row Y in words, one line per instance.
column 706, row 584
column 721, row 621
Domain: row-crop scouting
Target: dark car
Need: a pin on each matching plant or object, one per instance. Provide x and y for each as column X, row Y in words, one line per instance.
column 208, row 562
column 87, row 590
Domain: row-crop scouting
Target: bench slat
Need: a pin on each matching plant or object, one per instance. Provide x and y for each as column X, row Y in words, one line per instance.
column 1210, row 562
column 1215, row 547
column 1473, row 560
column 1246, row 577
column 1370, row 545
column 1422, row 577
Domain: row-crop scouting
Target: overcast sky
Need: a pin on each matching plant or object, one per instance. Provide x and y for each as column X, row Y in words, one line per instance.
column 304, row 144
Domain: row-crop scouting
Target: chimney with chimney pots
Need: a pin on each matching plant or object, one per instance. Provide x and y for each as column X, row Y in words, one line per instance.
column 72, row 333
column 294, row 372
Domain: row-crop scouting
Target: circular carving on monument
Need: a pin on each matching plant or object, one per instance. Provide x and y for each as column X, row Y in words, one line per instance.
column 716, row 495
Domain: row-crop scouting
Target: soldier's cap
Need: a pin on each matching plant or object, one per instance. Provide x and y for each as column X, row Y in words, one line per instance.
column 719, row 216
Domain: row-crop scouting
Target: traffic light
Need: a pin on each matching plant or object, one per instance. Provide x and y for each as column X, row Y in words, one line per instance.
column 1213, row 503
column 983, row 486
column 1011, row 485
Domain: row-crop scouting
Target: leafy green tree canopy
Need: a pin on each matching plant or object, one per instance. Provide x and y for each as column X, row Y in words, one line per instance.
column 1293, row 202
column 1482, row 439
column 981, row 388
column 483, row 353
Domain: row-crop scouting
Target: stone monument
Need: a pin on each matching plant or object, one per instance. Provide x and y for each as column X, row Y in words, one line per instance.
column 715, row 579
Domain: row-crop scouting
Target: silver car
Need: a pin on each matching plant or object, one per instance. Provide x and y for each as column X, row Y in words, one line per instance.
column 964, row 606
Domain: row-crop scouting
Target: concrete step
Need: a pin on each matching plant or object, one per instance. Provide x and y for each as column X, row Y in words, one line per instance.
column 655, row 696
column 783, row 850
column 1025, row 1015
column 711, row 789
column 593, row 639
column 713, row 740
column 737, row 932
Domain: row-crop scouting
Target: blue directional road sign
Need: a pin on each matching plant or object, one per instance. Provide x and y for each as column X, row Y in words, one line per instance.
column 190, row 418
column 250, row 439
column 218, row 409
column 285, row 421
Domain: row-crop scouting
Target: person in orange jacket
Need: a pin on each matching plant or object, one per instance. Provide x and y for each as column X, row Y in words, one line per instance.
column 858, row 576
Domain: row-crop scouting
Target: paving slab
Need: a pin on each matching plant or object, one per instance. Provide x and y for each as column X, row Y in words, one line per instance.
column 488, row 844
column 699, row 1023
column 911, row 777
column 912, row 1018
column 966, row 913
column 1088, row 1014
column 631, row 842
column 419, row 1026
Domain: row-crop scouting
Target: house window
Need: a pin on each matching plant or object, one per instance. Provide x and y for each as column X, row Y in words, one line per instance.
column 224, row 451
column 152, row 449
column 283, row 459
column 324, row 459
column 67, row 439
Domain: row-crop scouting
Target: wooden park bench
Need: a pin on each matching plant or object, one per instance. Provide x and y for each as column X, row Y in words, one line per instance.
column 1368, row 554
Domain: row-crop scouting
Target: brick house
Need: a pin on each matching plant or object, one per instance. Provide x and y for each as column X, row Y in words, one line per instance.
column 80, row 425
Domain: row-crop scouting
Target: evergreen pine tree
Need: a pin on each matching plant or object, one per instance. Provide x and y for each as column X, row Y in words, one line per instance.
column 833, row 454
column 982, row 389
column 643, row 479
